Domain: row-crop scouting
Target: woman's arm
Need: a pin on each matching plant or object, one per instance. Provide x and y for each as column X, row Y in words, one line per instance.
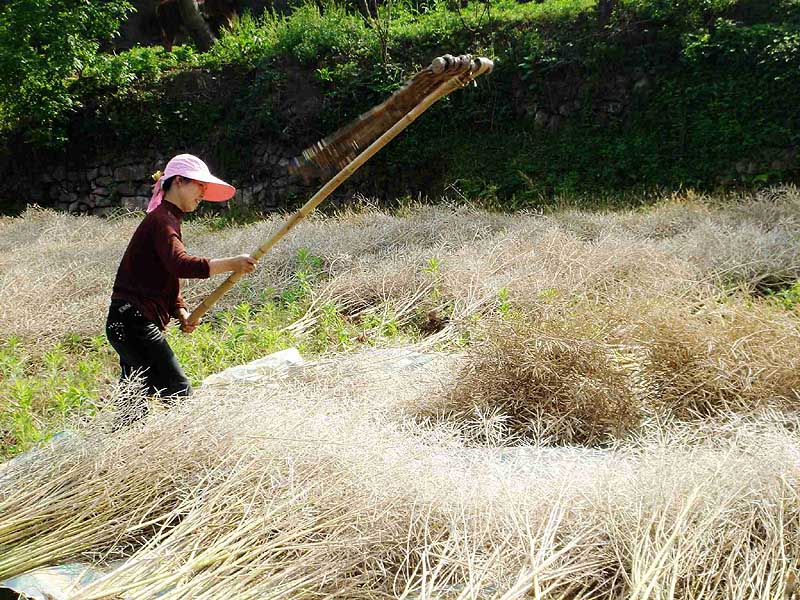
column 243, row 263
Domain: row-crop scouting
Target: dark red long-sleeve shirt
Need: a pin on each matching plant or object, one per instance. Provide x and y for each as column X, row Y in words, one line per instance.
column 153, row 264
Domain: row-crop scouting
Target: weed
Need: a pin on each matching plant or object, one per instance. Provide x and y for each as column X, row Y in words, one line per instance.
column 433, row 266
column 504, row 305
column 788, row 297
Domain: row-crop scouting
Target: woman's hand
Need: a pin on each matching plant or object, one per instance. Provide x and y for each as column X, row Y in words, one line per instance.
column 187, row 326
column 244, row 263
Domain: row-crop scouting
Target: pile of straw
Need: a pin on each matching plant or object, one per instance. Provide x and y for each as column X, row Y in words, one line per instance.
column 580, row 372
column 613, row 413
column 315, row 485
column 543, row 381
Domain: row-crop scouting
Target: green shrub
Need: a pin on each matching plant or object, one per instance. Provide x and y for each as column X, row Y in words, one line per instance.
column 44, row 46
column 709, row 106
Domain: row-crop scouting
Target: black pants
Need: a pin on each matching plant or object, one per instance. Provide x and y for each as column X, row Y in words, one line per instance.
column 143, row 353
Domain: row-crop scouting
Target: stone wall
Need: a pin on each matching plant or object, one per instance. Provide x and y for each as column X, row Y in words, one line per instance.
column 107, row 172
column 563, row 98
column 98, row 189
column 102, row 188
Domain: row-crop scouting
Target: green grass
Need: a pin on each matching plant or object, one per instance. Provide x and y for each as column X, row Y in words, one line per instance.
column 232, row 338
column 789, row 297
column 310, row 37
column 40, row 392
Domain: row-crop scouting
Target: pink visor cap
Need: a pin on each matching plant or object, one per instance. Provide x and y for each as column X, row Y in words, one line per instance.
column 191, row 167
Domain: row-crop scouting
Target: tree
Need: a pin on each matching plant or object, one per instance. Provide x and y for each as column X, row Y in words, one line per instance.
column 44, row 47
column 604, row 10
column 196, row 24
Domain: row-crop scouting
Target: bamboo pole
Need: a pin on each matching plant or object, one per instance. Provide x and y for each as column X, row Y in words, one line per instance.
column 479, row 66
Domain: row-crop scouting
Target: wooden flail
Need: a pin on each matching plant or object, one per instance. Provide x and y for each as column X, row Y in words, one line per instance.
column 354, row 144
column 333, row 153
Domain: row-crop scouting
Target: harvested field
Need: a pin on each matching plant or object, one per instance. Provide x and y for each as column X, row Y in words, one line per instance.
column 598, row 405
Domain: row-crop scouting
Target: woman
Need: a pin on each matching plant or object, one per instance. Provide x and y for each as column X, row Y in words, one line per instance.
column 147, row 287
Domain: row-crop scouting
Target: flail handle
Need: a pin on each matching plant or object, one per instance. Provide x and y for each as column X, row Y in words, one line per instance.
column 476, row 67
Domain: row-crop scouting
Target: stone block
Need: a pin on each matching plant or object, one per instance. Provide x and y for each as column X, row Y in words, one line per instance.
column 127, row 189
column 134, row 202
column 104, row 211
column 129, row 202
column 100, row 201
column 541, row 118
column 130, row 172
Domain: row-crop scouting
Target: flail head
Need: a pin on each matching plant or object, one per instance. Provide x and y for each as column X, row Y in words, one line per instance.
column 333, row 153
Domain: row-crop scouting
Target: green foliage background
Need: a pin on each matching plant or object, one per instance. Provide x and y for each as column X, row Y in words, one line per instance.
column 718, row 107
column 45, row 46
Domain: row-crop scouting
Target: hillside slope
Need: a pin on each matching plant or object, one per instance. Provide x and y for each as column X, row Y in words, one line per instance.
column 658, row 94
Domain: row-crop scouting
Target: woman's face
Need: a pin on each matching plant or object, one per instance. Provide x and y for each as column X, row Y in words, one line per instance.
column 191, row 193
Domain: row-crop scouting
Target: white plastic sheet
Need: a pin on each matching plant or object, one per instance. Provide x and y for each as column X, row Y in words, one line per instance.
column 257, row 370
